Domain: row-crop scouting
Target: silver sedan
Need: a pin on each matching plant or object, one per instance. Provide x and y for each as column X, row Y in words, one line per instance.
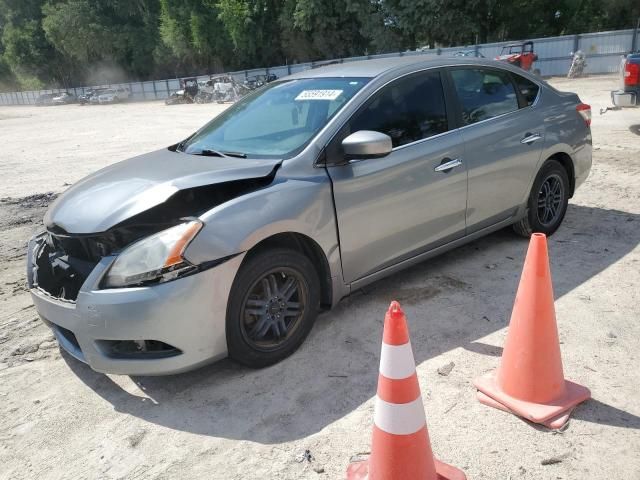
column 309, row 188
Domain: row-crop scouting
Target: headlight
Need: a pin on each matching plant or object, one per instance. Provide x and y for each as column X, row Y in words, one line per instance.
column 157, row 258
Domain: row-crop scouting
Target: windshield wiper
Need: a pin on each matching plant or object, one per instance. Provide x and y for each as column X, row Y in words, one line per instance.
column 208, row 152
column 235, row 154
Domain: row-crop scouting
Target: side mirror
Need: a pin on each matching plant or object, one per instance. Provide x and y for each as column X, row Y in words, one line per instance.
column 366, row 144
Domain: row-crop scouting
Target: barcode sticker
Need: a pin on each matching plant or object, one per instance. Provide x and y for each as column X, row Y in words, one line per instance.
column 318, row 95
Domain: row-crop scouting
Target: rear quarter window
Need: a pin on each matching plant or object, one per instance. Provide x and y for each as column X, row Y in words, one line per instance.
column 528, row 90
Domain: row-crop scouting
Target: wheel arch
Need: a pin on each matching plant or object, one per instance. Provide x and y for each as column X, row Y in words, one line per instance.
column 567, row 163
column 308, row 247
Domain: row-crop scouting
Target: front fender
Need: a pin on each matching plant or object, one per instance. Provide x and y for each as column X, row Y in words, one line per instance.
column 303, row 206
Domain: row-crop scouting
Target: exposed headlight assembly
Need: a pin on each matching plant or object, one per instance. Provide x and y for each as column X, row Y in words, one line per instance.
column 155, row 259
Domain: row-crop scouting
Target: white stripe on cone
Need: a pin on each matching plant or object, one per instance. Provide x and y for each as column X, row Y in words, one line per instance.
column 396, row 361
column 399, row 419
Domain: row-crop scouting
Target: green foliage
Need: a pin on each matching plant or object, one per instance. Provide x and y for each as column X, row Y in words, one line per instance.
column 71, row 42
column 194, row 34
column 8, row 79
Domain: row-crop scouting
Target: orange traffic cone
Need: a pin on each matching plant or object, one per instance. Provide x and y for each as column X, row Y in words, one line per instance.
column 530, row 380
column 401, row 449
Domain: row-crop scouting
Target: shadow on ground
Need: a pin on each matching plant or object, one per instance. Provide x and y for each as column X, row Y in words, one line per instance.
column 451, row 301
column 635, row 129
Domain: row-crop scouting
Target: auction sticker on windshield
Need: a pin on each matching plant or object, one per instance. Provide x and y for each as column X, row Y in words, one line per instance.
column 318, row 95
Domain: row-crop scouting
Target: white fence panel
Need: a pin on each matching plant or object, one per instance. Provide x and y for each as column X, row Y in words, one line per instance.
column 603, row 50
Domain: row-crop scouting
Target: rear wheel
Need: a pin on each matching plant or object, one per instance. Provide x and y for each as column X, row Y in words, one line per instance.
column 547, row 202
column 273, row 304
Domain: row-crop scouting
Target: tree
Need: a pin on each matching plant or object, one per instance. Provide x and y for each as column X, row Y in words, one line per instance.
column 73, row 42
column 25, row 50
column 116, row 34
column 253, row 28
column 321, row 29
column 194, row 34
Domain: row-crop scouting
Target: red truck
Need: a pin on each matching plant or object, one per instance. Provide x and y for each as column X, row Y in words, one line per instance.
column 629, row 93
column 519, row 54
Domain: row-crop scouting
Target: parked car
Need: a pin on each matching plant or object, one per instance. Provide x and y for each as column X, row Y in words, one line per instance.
column 468, row 53
column 628, row 95
column 89, row 94
column 188, row 90
column 63, row 98
column 114, row 95
column 95, row 98
column 259, row 80
column 519, row 55
column 219, row 88
column 231, row 241
column 45, row 99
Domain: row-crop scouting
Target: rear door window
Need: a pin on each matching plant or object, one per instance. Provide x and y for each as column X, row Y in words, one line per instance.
column 409, row 109
column 484, row 93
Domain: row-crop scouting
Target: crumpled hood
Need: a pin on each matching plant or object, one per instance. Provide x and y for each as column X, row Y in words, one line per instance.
column 120, row 191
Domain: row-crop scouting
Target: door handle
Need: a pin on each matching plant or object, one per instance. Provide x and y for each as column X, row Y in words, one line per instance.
column 530, row 138
column 448, row 164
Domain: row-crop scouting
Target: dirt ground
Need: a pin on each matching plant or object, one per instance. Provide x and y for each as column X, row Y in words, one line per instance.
column 59, row 419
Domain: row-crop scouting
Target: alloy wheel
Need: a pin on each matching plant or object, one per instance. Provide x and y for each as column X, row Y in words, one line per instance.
column 550, row 198
column 273, row 308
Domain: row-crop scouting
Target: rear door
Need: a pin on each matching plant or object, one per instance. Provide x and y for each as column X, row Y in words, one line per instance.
column 503, row 136
column 390, row 209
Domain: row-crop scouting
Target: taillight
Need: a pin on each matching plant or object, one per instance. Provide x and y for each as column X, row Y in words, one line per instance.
column 585, row 112
column 631, row 73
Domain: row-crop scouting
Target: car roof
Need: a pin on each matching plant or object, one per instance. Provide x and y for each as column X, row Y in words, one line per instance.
column 378, row 66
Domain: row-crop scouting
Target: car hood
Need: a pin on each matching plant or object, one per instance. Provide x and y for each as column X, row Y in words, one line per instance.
column 120, row 191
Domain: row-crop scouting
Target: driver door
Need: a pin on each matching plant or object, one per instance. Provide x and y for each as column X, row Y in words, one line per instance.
column 393, row 208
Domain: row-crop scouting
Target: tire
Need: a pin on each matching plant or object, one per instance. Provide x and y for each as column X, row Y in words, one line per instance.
column 546, row 206
column 253, row 307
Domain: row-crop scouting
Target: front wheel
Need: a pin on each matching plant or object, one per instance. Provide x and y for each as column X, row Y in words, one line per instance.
column 547, row 202
column 272, row 306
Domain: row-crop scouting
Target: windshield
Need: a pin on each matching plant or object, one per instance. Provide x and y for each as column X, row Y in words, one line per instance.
column 277, row 121
column 512, row 49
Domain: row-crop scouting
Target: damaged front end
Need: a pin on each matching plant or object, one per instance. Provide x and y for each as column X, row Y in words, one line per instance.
column 61, row 261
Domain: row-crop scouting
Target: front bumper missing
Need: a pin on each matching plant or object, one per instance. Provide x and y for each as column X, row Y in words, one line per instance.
column 188, row 314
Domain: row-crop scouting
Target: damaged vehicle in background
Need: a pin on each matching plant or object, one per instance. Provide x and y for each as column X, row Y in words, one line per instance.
column 188, row 90
column 258, row 81
column 89, row 94
column 63, row 98
column 45, row 99
column 114, row 95
column 231, row 241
